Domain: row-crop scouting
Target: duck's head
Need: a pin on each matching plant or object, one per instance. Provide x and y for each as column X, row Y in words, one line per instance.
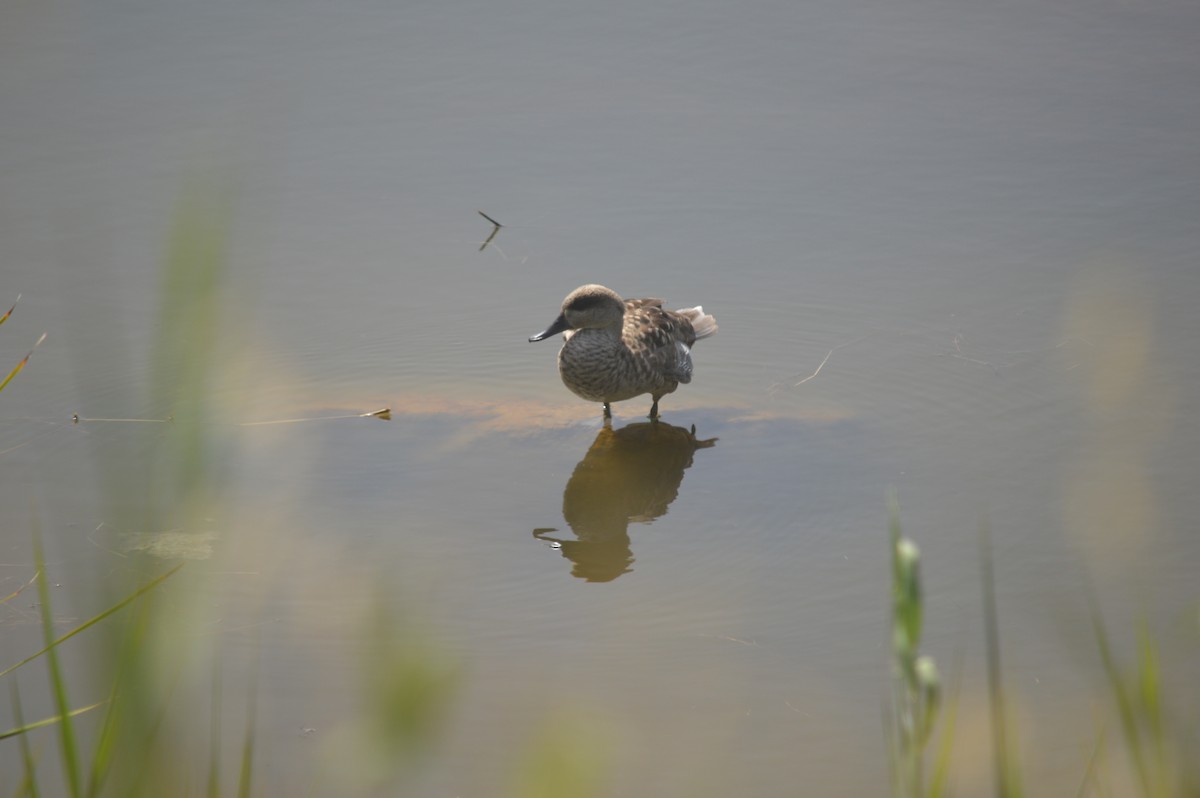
column 587, row 306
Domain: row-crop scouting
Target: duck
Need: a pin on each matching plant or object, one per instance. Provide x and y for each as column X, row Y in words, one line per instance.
column 615, row 349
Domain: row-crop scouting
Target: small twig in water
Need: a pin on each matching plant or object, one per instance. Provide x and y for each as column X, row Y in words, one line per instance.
column 825, row 360
column 503, row 254
column 732, row 639
column 384, row 413
column 76, row 419
column 788, row 704
column 1015, row 356
column 495, row 229
column 92, row 540
column 17, row 592
column 828, row 355
column 14, row 446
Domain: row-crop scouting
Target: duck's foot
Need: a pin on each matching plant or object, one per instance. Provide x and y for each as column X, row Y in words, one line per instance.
column 607, row 411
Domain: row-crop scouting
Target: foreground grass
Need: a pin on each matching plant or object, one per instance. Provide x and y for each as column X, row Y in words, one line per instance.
column 131, row 748
column 1156, row 751
column 407, row 686
column 140, row 736
column 25, row 360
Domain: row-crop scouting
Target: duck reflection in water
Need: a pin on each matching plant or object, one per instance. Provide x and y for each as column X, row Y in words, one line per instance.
column 630, row 474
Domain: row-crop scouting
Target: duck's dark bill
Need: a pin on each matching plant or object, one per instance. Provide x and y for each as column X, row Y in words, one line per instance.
column 558, row 326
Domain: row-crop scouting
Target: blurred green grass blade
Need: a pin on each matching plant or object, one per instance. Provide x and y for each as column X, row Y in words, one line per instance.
column 246, row 776
column 568, row 759
column 106, row 744
column 27, row 727
column 29, row 783
column 894, row 531
column 66, row 729
column 1150, row 681
column 186, row 351
column 941, row 766
column 146, row 748
column 214, row 734
column 4, row 318
column 95, row 620
column 1008, row 782
column 1089, row 775
column 929, row 682
column 21, row 365
column 907, row 607
column 120, row 721
column 1125, row 701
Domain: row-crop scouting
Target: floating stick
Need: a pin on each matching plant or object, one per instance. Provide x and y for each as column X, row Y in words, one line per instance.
column 76, row 419
column 495, row 229
column 384, row 413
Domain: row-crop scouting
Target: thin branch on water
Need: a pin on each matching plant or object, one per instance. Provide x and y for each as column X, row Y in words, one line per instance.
column 818, row 371
column 1016, row 356
column 503, row 254
column 384, row 413
column 17, row 592
column 491, row 237
column 789, row 705
column 731, row 639
column 13, row 447
column 92, row 540
column 78, row 419
column 829, row 354
column 495, row 229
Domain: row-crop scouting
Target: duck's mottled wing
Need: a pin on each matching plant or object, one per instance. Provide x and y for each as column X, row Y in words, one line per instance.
column 660, row 339
column 633, row 305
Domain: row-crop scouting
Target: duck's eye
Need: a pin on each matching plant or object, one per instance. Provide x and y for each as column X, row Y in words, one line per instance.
column 582, row 303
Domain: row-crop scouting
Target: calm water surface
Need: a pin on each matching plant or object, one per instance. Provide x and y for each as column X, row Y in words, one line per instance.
column 952, row 249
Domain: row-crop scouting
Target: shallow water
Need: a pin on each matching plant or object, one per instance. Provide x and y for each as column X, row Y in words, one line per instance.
column 951, row 249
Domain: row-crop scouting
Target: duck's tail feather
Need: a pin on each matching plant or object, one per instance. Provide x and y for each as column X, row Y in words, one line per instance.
column 703, row 324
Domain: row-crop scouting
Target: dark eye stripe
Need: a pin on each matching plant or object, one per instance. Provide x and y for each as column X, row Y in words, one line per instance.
column 586, row 302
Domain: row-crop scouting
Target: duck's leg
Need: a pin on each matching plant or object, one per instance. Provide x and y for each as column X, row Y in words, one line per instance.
column 607, row 411
column 654, row 411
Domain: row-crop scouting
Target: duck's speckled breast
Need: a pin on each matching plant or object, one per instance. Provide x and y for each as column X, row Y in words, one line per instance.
column 597, row 365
